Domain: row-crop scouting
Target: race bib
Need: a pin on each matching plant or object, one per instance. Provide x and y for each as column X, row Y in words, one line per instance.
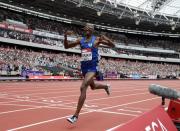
column 86, row 55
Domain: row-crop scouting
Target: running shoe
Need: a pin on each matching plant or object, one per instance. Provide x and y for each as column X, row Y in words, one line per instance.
column 72, row 119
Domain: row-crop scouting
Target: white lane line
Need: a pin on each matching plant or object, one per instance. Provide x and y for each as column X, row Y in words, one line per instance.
column 36, row 92
column 127, row 110
column 99, row 110
column 43, row 122
column 19, row 105
column 37, row 107
column 92, row 94
column 136, row 108
column 3, row 94
column 20, row 91
column 90, row 106
column 118, row 113
column 135, row 102
column 10, row 96
column 9, row 102
column 6, row 112
column 52, row 101
column 26, row 100
column 54, row 92
column 105, row 98
column 111, row 129
column 128, row 89
column 69, row 108
column 23, row 97
column 88, row 100
column 47, row 102
column 72, row 95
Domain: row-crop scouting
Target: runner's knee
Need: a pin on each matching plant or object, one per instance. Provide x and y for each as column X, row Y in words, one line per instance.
column 83, row 89
column 85, row 85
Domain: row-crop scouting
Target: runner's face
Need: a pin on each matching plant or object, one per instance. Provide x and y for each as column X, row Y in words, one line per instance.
column 87, row 31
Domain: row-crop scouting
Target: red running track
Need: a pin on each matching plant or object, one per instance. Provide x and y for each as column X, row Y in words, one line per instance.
column 44, row 106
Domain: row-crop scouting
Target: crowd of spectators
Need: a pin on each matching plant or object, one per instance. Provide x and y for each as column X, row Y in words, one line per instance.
column 16, row 59
column 28, row 59
column 128, row 67
column 53, row 26
column 59, row 43
column 30, row 38
column 145, row 53
column 13, row 59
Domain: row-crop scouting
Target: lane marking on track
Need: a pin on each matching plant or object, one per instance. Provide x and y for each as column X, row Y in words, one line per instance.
column 129, row 89
column 90, row 94
column 105, row 98
column 118, row 113
column 46, row 102
column 20, row 110
column 19, row 105
column 136, row 108
column 52, row 101
column 3, row 94
column 111, row 129
column 69, row 108
column 88, row 100
column 99, row 110
column 23, row 97
column 54, row 92
column 98, row 104
column 27, row 100
column 19, row 97
column 20, row 91
column 43, row 122
column 127, row 110
column 135, row 102
column 36, row 107
column 90, row 106
column 8, row 102
column 78, row 95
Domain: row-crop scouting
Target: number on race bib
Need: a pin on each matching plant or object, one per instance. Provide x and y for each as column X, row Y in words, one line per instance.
column 86, row 55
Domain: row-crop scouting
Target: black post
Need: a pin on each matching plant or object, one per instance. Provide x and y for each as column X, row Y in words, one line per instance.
column 163, row 101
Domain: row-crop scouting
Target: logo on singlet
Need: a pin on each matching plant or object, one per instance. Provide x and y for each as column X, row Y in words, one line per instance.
column 90, row 44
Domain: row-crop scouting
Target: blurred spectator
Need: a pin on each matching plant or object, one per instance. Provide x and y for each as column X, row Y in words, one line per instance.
column 55, row 27
column 13, row 59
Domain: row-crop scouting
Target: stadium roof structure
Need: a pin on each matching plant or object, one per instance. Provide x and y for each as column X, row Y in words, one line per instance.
column 161, row 16
column 166, row 7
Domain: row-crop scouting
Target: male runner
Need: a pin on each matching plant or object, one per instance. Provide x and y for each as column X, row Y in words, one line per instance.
column 89, row 62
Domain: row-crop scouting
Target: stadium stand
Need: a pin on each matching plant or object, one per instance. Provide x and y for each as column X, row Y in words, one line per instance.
column 48, row 32
column 15, row 60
